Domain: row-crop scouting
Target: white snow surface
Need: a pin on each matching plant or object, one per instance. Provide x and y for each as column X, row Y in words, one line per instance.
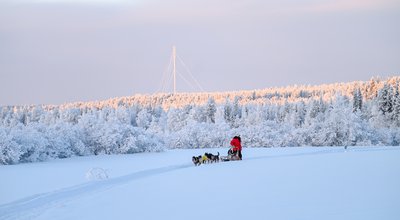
column 269, row 183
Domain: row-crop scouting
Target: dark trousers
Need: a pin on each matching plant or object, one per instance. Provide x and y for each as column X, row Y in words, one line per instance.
column 236, row 152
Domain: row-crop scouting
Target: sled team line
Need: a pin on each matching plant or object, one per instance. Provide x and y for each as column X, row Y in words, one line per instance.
column 234, row 153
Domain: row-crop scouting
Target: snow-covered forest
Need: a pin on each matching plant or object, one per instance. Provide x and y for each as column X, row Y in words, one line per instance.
column 356, row 113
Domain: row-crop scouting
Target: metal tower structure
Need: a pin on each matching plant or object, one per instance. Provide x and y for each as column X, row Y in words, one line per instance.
column 175, row 59
column 174, row 63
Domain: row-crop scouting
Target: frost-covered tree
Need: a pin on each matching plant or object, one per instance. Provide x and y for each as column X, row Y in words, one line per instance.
column 92, row 125
column 357, row 100
column 143, row 119
column 123, row 115
column 37, row 113
column 298, row 115
column 71, row 115
column 283, row 113
column 33, row 143
column 336, row 127
column 372, row 88
column 159, row 122
column 210, row 110
column 10, row 151
column 396, row 106
column 176, row 119
column 220, row 115
column 252, row 115
column 314, row 109
column 237, row 110
column 290, row 116
column 229, row 113
column 198, row 114
column 385, row 96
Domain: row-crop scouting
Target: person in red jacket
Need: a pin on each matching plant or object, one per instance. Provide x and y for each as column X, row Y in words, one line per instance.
column 236, row 147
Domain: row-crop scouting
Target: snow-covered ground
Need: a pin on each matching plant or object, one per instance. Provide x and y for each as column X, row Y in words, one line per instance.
column 270, row 183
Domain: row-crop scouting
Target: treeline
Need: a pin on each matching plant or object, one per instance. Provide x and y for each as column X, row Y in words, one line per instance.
column 357, row 113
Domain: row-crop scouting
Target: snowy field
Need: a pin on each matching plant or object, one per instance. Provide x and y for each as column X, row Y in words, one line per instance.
column 270, row 183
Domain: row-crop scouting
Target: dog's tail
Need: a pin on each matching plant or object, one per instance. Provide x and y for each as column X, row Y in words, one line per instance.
column 218, row 154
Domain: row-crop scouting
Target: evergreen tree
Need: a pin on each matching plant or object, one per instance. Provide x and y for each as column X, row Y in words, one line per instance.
column 336, row 127
column 385, row 96
column 198, row 114
column 396, row 107
column 228, row 112
column 298, row 115
column 236, row 112
column 10, row 151
column 372, row 88
column 357, row 100
column 176, row 119
column 143, row 119
column 210, row 110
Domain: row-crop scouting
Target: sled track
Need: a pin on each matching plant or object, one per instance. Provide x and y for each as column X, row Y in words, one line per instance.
column 33, row 206
column 334, row 150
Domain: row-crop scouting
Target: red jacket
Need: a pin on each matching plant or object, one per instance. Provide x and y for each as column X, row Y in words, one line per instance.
column 236, row 144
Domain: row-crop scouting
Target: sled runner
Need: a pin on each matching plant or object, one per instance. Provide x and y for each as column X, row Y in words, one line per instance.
column 229, row 158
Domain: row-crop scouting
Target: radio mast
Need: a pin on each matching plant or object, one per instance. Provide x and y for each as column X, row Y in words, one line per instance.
column 166, row 79
column 174, row 71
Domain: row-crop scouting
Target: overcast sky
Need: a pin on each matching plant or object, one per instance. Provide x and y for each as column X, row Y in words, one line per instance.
column 59, row 51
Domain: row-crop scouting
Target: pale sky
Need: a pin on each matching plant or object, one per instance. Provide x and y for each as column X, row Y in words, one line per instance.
column 60, row 51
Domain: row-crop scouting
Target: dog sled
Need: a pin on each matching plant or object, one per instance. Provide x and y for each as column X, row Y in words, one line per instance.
column 234, row 153
column 231, row 157
column 210, row 158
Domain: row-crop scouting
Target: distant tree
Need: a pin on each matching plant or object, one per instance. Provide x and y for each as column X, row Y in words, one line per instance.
column 237, row 110
column 33, row 143
column 396, row 107
column 385, row 96
column 313, row 109
column 252, row 115
column 336, row 127
column 71, row 115
column 10, row 151
column 284, row 112
column 253, row 96
column 228, row 112
column 64, row 140
column 20, row 116
column 159, row 124
column 298, row 115
column 37, row 113
column 210, row 110
column 176, row 119
column 143, row 118
column 198, row 114
column 372, row 88
column 357, row 100
column 122, row 115
column 220, row 115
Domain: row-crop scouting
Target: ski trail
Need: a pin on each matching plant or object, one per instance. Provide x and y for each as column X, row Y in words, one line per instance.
column 33, row 206
column 334, row 150
column 328, row 151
